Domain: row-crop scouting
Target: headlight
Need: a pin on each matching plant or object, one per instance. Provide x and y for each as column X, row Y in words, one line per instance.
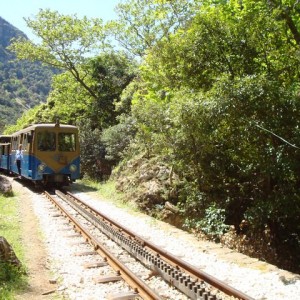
column 41, row 167
column 73, row 168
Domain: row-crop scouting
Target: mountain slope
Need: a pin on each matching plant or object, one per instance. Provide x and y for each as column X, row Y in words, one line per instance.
column 23, row 84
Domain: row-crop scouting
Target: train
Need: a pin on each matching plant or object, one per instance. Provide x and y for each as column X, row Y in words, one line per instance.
column 51, row 153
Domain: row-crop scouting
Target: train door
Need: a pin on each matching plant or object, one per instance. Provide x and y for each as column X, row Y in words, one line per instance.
column 4, row 156
column 7, row 153
column 28, row 150
column 14, row 147
column 2, row 147
column 16, row 141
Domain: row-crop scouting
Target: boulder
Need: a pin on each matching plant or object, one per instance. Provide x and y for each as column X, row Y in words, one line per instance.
column 7, row 255
column 5, row 186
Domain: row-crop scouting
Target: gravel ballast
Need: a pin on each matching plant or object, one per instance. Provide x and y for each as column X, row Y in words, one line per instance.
column 251, row 276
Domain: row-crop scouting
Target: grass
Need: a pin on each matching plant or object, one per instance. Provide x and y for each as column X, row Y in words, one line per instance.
column 11, row 278
column 107, row 191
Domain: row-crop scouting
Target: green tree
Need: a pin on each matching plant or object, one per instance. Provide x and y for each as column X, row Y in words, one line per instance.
column 111, row 73
column 289, row 11
column 224, row 95
column 142, row 23
column 66, row 42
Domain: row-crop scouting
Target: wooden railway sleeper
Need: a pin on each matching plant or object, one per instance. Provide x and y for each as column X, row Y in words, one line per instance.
column 127, row 275
column 182, row 282
column 152, row 261
column 137, row 247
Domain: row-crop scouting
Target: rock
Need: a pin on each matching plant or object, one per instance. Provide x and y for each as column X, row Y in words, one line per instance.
column 53, row 281
column 7, row 254
column 171, row 207
column 149, row 183
column 5, row 186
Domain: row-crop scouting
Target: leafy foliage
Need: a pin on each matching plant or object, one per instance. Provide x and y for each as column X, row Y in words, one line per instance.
column 142, row 23
column 65, row 43
column 111, row 73
column 216, row 96
column 117, row 139
column 213, row 223
column 220, row 98
column 93, row 161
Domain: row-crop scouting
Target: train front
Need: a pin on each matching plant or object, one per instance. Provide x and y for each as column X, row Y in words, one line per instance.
column 56, row 154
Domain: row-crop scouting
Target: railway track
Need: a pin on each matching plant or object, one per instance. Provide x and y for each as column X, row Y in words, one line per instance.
column 188, row 280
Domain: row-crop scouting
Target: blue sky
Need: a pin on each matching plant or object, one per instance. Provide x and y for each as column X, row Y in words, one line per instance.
column 13, row 11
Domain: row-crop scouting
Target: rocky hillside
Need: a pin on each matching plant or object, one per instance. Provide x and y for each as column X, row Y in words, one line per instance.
column 151, row 185
column 23, row 84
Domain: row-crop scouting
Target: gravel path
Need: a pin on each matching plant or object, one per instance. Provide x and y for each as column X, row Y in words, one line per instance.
column 256, row 279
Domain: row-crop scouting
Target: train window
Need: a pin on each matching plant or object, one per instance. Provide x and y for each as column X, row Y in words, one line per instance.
column 15, row 143
column 66, row 142
column 29, row 137
column 25, row 142
column 6, row 149
column 46, row 141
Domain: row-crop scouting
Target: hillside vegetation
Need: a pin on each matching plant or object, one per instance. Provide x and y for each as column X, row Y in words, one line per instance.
column 196, row 112
column 23, row 84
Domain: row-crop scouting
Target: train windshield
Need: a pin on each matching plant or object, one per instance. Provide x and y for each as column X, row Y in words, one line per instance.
column 46, row 141
column 66, row 142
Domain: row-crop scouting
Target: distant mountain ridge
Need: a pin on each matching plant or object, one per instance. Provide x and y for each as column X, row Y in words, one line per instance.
column 8, row 31
column 23, row 84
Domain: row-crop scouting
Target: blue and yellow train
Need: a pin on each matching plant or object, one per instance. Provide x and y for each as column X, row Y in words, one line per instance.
column 51, row 153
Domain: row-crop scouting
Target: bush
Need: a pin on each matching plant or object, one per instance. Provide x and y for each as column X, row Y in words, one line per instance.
column 93, row 161
column 213, row 224
column 117, row 139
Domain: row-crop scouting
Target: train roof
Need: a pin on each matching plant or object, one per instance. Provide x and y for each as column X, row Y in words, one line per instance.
column 46, row 125
column 5, row 138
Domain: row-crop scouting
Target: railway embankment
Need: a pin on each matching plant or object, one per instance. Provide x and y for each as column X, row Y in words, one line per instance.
column 153, row 187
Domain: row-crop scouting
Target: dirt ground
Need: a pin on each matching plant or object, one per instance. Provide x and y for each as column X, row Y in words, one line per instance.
column 36, row 259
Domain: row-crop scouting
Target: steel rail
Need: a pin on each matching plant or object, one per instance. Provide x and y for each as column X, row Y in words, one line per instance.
column 136, row 283
column 179, row 263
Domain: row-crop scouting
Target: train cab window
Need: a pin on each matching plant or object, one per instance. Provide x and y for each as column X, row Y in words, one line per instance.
column 66, row 142
column 46, row 141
